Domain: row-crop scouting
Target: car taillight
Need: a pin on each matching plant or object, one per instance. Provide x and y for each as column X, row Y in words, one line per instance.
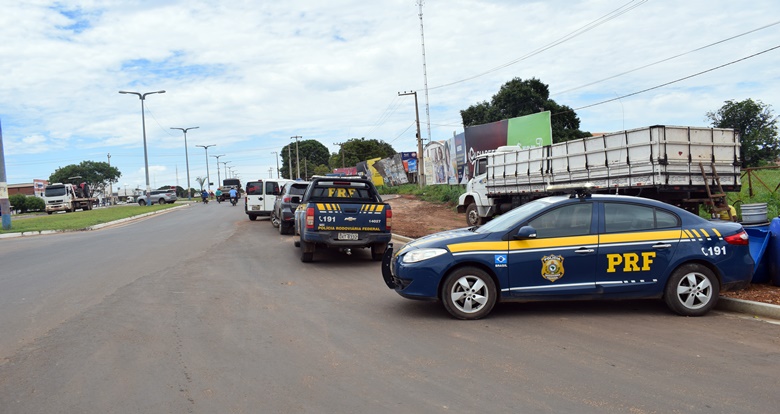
column 740, row 239
column 310, row 218
column 286, row 199
column 388, row 218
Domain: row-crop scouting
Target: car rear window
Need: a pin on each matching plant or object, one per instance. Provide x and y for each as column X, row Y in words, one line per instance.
column 337, row 191
column 297, row 189
column 254, row 188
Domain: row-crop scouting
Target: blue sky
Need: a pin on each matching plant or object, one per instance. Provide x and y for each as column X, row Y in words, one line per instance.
column 253, row 74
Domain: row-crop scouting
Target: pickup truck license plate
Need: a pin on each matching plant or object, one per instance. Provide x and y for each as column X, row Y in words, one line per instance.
column 347, row 236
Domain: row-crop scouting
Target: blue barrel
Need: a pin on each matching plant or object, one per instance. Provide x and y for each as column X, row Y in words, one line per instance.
column 773, row 252
column 759, row 236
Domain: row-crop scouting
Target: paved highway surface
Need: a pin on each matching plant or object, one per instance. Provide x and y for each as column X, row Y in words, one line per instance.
column 200, row 310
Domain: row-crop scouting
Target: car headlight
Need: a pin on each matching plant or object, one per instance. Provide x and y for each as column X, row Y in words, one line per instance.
column 422, row 254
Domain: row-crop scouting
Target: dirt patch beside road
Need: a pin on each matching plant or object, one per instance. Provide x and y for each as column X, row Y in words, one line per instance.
column 415, row 218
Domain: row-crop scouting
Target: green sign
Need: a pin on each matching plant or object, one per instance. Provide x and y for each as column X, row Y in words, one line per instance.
column 530, row 131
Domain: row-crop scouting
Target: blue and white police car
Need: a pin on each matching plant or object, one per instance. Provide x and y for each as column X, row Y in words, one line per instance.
column 576, row 247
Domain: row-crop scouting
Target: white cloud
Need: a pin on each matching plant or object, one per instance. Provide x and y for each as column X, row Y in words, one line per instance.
column 251, row 75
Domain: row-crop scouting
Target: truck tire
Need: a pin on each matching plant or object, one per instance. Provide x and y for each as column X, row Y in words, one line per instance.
column 307, row 251
column 472, row 216
column 161, row 202
column 378, row 251
column 141, row 203
column 252, row 217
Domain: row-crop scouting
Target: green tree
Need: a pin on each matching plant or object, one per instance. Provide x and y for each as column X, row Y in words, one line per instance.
column 19, row 202
column 525, row 97
column 97, row 174
column 311, row 153
column 201, row 181
column 757, row 127
column 356, row 150
column 321, row 169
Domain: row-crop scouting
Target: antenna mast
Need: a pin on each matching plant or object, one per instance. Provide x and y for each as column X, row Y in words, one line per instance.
column 425, row 72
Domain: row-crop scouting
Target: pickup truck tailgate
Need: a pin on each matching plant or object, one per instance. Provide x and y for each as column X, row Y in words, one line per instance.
column 350, row 217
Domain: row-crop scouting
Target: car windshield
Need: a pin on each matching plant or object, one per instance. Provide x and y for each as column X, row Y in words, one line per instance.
column 509, row 220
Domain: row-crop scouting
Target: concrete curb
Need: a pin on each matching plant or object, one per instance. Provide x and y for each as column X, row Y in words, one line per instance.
column 95, row 227
column 764, row 310
column 759, row 309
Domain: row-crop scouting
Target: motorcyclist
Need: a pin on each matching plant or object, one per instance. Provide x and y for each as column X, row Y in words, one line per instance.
column 233, row 195
column 219, row 195
column 204, row 196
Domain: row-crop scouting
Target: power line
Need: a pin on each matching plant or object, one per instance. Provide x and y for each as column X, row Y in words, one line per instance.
column 582, row 30
column 674, row 81
column 667, row 59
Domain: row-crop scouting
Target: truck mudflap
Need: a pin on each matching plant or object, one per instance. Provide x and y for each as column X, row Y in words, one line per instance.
column 387, row 273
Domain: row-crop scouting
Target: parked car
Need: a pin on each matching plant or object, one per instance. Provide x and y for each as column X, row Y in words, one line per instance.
column 159, row 197
column 283, row 215
column 571, row 248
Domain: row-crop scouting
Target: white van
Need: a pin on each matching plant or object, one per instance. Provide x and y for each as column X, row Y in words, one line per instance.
column 261, row 195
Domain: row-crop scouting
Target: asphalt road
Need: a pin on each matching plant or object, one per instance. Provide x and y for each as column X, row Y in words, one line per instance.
column 200, row 310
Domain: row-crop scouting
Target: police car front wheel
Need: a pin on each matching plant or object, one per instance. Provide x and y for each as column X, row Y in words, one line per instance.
column 692, row 290
column 469, row 293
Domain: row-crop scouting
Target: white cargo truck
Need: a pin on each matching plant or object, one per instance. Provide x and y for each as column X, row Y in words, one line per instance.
column 660, row 162
column 67, row 197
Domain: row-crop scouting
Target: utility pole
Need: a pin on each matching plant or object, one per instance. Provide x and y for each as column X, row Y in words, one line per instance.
column 420, row 162
column 5, row 203
column 297, row 157
column 289, row 160
column 277, row 163
column 270, row 172
column 109, row 183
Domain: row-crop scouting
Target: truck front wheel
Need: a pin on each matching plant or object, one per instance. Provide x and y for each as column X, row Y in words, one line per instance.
column 472, row 216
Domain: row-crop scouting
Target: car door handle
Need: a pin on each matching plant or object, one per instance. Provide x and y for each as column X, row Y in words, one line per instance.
column 662, row 246
column 583, row 250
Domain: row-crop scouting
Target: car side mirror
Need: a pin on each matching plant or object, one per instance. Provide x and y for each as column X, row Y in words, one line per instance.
column 525, row 232
column 295, row 199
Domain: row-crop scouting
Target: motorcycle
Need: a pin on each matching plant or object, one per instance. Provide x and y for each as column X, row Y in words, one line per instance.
column 233, row 200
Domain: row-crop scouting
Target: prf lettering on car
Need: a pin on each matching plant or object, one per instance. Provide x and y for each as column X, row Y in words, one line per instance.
column 340, row 192
column 631, row 262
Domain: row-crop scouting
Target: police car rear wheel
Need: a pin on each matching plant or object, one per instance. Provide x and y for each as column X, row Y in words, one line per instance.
column 692, row 290
column 469, row 293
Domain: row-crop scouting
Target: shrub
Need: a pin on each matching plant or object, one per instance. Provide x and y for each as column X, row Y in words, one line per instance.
column 19, row 202
column 35, row 204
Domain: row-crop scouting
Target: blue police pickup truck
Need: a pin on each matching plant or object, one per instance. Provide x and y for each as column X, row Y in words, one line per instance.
column 343, row 213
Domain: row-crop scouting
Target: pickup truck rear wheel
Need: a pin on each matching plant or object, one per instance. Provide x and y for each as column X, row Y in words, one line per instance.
column 378, row 251
column 307, row 251
column 472, row 216
column 141, row 203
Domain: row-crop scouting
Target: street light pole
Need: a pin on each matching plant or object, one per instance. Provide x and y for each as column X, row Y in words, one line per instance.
column 277, row 163
column 187, row 159
column 297, row 158
column 224, row 165
column 142, row 97
column 208, row 177
column 219, row 180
